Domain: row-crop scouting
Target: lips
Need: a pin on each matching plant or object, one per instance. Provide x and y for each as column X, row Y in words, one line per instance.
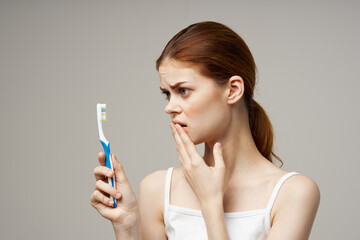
column 180, row 123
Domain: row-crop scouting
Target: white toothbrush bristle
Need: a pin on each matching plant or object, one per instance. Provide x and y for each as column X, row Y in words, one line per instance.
column 103, row 112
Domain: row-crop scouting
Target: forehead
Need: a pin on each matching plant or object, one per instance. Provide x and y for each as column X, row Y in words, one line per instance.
column 172, row 72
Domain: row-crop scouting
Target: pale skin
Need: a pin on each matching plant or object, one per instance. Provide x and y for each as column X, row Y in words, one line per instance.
column 232, row 178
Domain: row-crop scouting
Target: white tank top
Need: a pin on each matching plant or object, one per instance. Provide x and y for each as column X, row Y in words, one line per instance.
column 186, row 224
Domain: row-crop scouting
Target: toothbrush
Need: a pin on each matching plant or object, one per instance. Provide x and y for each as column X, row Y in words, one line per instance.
column 101, row 116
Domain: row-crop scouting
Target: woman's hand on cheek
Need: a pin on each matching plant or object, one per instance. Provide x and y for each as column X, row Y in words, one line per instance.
column 207, row 182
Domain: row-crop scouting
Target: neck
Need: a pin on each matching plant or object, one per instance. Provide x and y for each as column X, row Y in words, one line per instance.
column 240, row 153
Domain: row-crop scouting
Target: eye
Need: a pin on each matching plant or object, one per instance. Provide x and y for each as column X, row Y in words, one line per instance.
column 182, row 90
column 167, row 95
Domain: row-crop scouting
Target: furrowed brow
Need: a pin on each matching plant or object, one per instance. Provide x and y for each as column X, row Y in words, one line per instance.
column 173, row 86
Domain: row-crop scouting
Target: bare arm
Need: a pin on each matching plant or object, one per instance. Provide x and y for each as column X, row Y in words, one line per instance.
column 295, row 209
column 151, row 202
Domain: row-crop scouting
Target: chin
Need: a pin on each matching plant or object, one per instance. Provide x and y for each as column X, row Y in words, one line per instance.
column 196, row 138
column 201, row 137
column 197, row 141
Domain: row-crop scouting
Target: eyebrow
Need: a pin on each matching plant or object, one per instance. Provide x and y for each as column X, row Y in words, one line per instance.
column 173, row 86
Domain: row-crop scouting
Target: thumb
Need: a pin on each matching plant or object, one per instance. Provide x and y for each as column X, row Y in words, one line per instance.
column 120, row 176
column 218, row 157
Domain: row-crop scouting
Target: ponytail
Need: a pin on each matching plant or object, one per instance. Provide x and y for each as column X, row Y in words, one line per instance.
column 261, row 130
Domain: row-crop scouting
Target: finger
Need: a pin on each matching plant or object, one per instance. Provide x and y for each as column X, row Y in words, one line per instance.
column 218, row 157
column 174, row 133
column 102, row 172
column 120, row 176
column 107, row 188
column 183, row 155
column 102, row 208
column 101, row 158
column 98, row 197
column 106, row 210
column 188, row 144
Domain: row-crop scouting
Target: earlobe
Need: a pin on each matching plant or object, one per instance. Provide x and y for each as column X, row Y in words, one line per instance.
column 236, row 89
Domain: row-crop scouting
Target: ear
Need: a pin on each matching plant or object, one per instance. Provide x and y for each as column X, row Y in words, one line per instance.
column 235, row 89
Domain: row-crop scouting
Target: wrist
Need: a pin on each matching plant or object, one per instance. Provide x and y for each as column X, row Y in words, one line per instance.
column 213, row 209
column 212, row 204
column 127, row 222
column 128, row 228
column 129, row 234
column 213, row 213
column 132, row 232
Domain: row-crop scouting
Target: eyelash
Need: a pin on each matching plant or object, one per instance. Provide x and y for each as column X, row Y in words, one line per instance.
column 167, row 93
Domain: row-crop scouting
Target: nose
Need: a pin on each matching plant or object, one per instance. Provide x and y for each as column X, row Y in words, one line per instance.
column 172, row 107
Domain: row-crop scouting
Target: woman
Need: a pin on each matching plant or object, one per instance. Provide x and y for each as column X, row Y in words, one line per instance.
column 208, row 75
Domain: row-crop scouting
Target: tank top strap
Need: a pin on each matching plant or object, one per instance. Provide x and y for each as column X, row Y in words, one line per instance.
column 167, row 191
column 276, row 190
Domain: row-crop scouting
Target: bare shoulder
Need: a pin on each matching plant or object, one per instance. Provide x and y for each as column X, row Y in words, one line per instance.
column 153, row 184
column 300, row 187
column 297, row 192
column 295, row 208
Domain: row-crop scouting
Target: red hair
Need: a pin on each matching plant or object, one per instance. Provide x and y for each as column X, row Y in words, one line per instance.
column 221, row 53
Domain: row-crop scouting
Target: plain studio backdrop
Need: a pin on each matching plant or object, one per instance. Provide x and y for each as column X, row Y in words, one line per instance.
column 59, row 58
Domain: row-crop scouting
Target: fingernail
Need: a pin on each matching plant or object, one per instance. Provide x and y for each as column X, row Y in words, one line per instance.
column 117, row 195
column 218, row 145
column 109, row 173
column 110, row 203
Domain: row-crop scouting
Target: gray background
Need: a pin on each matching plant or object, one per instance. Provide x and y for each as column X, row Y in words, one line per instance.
column 59, row 58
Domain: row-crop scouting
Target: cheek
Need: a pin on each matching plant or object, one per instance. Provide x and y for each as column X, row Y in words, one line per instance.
column 207, row 113
column 208, row 124
column 197, row 111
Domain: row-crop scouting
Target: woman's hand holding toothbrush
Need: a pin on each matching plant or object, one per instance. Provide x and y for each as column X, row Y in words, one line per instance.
column 125, row 217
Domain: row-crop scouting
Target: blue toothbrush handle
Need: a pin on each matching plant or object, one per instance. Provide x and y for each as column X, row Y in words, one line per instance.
column 108, row 163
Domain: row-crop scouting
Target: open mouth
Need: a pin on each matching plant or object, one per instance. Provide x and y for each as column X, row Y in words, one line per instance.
column 181, row 124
